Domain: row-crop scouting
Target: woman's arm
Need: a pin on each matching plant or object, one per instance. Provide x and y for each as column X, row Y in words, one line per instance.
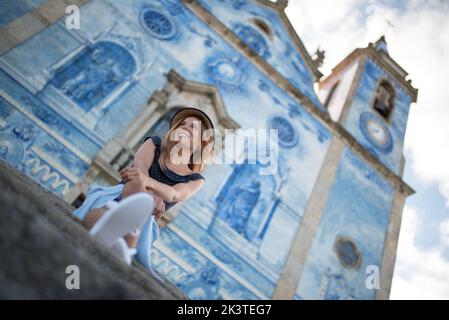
column 143, row 158
column 142, row 161
column 177, row 192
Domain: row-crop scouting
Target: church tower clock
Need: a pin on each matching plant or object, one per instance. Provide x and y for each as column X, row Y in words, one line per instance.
column 369, row 94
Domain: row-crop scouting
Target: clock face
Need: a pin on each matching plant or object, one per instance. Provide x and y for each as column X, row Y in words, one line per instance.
column 376, row 132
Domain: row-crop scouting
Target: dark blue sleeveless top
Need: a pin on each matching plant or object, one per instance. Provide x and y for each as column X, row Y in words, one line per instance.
column 166, row 176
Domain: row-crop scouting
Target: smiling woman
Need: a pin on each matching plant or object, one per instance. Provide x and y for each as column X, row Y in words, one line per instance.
column 166, row 170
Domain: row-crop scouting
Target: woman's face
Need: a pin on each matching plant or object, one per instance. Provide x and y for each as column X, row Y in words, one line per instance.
column 189, row 132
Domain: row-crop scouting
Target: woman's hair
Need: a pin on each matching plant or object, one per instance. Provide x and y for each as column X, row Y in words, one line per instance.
column 203, row 155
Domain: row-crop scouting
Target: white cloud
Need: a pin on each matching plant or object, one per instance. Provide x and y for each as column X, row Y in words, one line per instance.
column 419, row 274
column 444, row 233
column 418, row 42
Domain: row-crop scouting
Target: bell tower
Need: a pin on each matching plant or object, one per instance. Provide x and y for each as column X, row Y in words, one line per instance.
column 370, row 94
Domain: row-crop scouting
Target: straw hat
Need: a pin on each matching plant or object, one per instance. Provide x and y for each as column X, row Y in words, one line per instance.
column 193, row 112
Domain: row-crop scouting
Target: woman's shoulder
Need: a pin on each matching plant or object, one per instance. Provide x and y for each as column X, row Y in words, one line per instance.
column 156, row 140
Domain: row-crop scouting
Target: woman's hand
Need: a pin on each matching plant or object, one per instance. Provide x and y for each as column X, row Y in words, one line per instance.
column 159, row 207
column 133, row 174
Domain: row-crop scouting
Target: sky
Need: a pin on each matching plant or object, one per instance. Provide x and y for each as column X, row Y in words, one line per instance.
column 416, row 34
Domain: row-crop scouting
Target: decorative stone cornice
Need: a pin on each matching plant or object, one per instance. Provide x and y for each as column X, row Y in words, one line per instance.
column 270, row 4
column 191, row 86
column 278, row 5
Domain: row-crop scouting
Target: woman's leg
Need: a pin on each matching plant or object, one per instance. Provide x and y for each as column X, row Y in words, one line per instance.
column 130, row 188
column 94, row 215
column 133, row 186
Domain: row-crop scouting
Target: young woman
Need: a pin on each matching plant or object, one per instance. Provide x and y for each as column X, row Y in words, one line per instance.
column 164, row 172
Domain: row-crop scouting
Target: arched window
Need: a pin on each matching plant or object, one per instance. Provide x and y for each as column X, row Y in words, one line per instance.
column 384, row 99
column 253, row 39
column 263, row 26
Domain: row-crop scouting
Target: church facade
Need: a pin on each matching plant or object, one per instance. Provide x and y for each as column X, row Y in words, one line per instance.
column 75, row 104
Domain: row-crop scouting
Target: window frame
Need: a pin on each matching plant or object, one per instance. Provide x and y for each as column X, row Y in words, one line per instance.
column 392, row 91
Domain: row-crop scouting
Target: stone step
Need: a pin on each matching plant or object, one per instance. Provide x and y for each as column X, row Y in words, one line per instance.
column 39, row 239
